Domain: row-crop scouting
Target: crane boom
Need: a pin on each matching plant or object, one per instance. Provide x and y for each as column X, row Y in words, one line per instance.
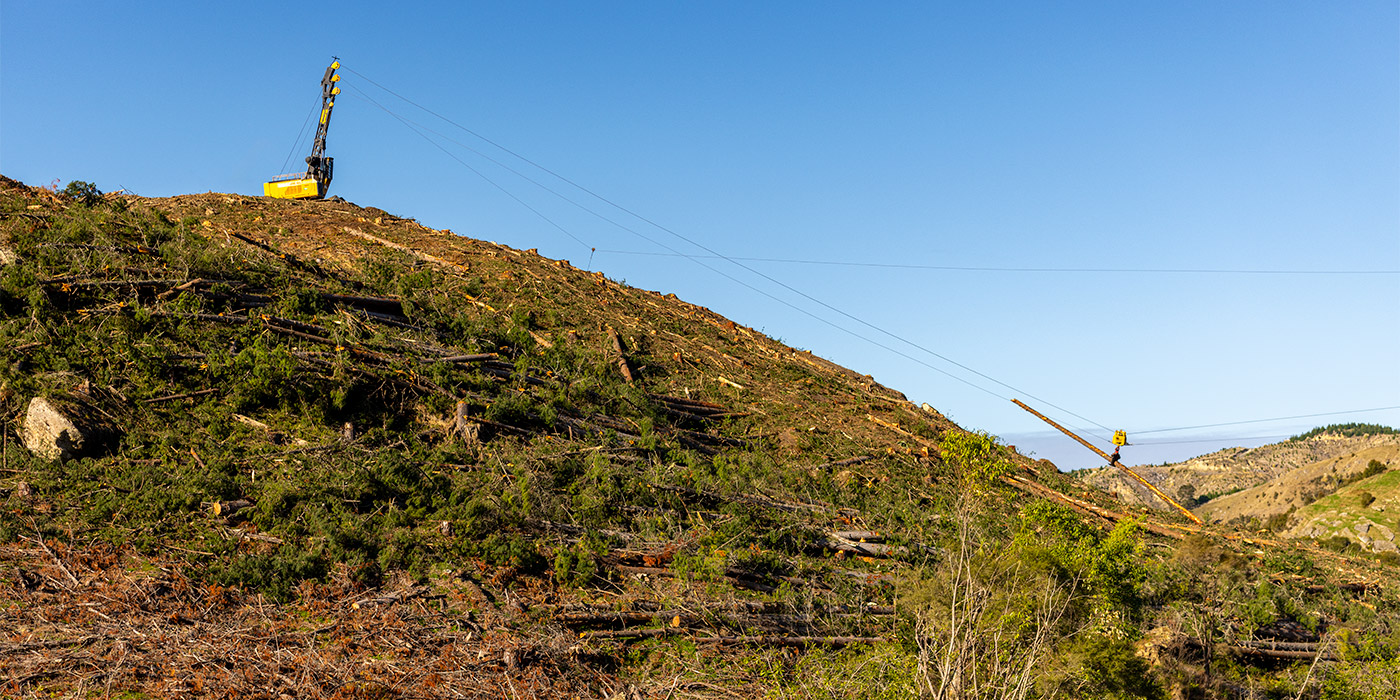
column 319, row 167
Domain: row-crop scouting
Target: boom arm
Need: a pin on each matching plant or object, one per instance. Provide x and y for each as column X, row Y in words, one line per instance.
column 318, row 165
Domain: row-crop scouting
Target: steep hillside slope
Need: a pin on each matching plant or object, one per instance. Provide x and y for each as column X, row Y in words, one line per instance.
column 262, row 448
column 1366, row 512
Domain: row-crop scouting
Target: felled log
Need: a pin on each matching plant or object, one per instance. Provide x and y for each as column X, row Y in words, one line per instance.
column 643, row 610
column 690, row 403
column 112, row 284
column 793, row 641
column 760, row 640
column 736, row 577
column 842, row 463
column 858, row 535
column 461, row 359
column 1084, row 506
column 679, row 617
column 1318, row 654
column 862, row 549
column 386, row 319
column 224, row 509
column 622, row 364
column 380, row 304
column 633, row 634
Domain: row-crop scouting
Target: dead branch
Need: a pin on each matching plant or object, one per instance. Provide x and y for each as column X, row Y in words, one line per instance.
column 225, row 509
column 462, row 359
column 841, row 463
column 396, row 597
column 40, row 540
column 175, row 397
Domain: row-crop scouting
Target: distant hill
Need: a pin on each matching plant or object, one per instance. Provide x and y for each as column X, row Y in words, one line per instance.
column 1300, row 487
column 1201, row 480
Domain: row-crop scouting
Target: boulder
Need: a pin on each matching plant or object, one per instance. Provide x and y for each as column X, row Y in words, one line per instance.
column 57, row 429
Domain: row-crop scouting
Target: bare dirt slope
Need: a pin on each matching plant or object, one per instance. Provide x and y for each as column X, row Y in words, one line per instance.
column 1298, row 487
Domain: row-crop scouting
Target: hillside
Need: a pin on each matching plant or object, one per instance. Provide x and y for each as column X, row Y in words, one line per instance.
column 1232, row 469
column 1366, row 512
column 1299, row 487
column 266, row 448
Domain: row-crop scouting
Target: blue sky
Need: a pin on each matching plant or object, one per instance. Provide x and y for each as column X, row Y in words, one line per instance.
column 1118, row 136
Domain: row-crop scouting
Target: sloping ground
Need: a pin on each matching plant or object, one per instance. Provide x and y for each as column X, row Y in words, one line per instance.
column 1229, row 470
column 344, row 455
column 1366, row 512
column 1298, row 487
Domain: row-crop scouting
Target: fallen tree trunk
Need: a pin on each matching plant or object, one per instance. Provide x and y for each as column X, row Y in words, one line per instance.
column 1031, row 487
column 1283, row 654
column 622, row 363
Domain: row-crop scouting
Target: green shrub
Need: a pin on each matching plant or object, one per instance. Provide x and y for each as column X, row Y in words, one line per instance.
column 275, row 575
column 578, row 565
column 84, row 192
column 1056, row 538
column 976, row 455
column 1111, row 669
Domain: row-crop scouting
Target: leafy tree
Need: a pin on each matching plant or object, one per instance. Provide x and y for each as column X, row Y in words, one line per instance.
column 85, row 192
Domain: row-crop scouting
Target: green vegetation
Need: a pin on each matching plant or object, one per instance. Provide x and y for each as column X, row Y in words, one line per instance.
column 371, row 419
column 1347, row 430
column 84, row 192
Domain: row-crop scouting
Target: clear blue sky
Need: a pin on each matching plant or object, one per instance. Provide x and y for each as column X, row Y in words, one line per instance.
column 1185, row 135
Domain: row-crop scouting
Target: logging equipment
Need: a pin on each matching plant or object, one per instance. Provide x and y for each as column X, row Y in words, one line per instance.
column 1113, row 460
column 317, row 179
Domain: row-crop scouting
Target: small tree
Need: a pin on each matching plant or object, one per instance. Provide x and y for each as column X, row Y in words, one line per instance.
column 985, row 623
column 84, row 192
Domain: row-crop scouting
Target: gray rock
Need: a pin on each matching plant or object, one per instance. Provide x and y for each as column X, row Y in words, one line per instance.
column 60, row 430
column 1384, row 546
column 7, row 256
column 1362, row 527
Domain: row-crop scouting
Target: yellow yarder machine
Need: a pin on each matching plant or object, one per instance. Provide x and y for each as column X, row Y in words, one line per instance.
column 317, row 179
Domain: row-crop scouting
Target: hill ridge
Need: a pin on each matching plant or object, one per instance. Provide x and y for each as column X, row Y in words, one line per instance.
column 398, row 458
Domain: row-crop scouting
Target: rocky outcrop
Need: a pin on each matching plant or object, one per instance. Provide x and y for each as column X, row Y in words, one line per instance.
column 61, row 429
